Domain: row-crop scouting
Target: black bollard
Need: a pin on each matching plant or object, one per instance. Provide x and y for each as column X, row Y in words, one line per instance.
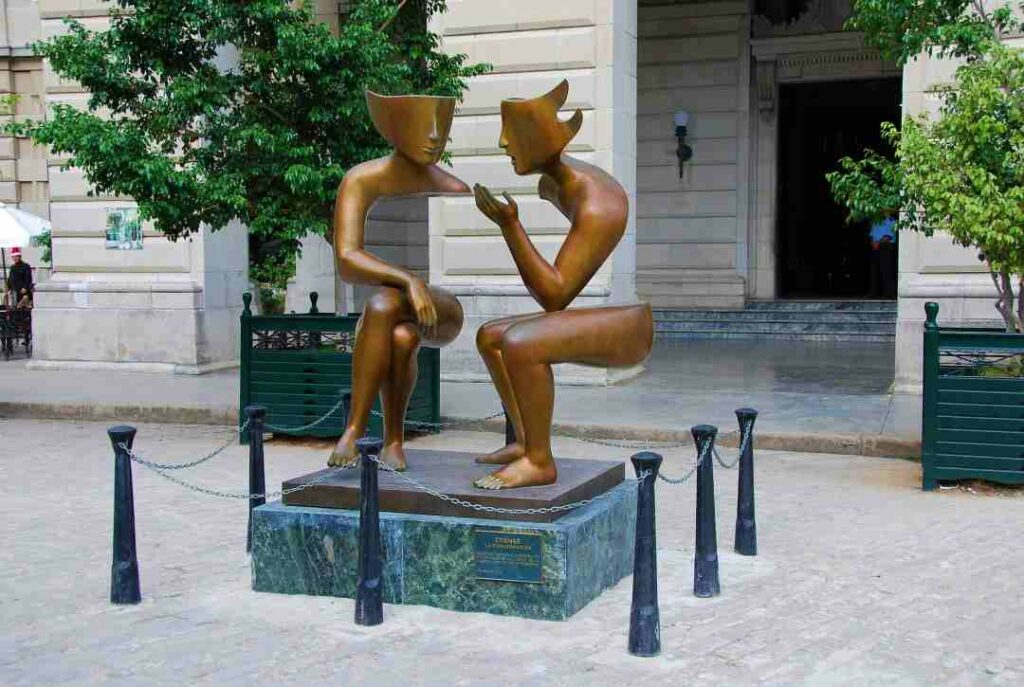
column 257, row 476
column 746, row 524
column 705, row 562
column 124, row 572
column 644, row 618
column 510, row 430
column 369, row 583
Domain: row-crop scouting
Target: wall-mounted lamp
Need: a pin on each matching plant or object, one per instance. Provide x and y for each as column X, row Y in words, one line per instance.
column 683, row 151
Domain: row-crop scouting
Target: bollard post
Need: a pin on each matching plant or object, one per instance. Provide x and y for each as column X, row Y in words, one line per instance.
column 746, row 524
column 257, row 475
column 510, row 429
column 369, row 583
column 124, row 571
column 644, row 618
column 705, row 562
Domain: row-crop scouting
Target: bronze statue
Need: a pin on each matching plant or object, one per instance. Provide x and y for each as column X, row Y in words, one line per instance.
column 405, row 312
column 519, row 351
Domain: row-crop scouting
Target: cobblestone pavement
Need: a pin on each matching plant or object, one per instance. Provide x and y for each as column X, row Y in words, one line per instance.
column 862, row 580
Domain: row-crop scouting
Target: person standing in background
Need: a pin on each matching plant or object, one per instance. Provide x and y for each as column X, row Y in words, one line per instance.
column 883, row 258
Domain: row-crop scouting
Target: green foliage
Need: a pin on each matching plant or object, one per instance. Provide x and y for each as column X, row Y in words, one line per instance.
column 204, row 111
column 961, row 174
column 903, row 29
column 870, row 187
column 45, row 241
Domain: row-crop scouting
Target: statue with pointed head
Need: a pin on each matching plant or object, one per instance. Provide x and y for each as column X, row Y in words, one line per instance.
column 519, row 351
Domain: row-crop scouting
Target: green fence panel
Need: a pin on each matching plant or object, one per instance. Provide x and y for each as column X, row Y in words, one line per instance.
column 972, row 420
column 300, row 366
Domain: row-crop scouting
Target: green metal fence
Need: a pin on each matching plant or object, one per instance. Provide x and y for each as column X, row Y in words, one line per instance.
column 300, row 366
column 973, row 404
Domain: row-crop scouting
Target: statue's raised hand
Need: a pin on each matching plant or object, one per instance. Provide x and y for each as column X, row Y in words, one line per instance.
column 502, row 214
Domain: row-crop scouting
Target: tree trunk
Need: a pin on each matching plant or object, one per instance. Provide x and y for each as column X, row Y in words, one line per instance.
column 1005, row 302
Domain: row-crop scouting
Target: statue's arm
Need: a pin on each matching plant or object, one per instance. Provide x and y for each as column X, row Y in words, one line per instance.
column 359, row 266
column 356, row 265
column 553, row 286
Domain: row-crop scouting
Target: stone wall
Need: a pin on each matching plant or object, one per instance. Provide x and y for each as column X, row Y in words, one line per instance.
column 690, row 58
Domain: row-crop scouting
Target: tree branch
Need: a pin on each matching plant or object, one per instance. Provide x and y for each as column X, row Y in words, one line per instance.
column 395, row 16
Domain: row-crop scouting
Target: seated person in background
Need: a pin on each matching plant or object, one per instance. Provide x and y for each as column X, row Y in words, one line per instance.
column 19, row 281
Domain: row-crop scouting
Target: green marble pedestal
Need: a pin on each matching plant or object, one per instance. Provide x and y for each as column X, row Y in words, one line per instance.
column 437, row 560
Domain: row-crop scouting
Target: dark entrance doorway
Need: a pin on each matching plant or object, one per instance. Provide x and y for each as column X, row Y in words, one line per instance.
column 819, row 255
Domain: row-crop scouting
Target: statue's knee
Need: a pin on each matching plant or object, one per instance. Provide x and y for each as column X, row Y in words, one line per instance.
column 516, row 346
column 387, row 302
column 488, row 338
column 406, row 337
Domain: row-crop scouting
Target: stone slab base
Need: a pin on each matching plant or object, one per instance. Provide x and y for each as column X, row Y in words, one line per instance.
column 146, row 368
column 452, row 473
column 430, row 560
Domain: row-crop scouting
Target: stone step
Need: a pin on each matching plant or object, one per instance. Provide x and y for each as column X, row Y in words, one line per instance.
column 819, row 306
column 786, row 320
column 867, row 317
column 881, row 328
column 803, row 336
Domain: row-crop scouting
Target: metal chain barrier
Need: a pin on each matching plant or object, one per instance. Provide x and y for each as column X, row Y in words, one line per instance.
column 232, row 494
column 311, row 425
column 162, row 468
column 152, row 465
column 743, row 447
column 445, row 425
column 696, row 464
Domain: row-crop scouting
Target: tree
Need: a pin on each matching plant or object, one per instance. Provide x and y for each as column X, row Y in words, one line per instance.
column 204, row 111
column 963, row 172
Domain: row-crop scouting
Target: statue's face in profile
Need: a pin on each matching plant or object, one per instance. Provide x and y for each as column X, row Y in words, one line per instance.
column 417, row 126
column 521, row 137
column 531, row 133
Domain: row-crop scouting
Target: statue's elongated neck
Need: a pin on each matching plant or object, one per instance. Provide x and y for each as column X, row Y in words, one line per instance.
column 558, row 170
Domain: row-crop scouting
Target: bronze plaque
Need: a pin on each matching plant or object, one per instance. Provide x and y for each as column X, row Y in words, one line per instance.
column 508, row 556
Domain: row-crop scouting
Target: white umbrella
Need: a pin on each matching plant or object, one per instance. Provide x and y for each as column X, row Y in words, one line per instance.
column 17, row 228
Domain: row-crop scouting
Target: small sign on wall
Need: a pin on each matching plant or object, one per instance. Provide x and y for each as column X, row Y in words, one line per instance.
column 124, row 229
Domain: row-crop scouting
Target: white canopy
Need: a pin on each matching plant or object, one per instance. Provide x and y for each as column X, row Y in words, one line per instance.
column 17, row 227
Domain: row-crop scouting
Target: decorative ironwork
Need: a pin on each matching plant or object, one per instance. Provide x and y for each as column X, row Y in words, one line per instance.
column 1000, row 364
column 15, row 330
column 298, row 339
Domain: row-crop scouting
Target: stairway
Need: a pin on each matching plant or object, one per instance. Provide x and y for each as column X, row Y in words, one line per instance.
column 783, row 320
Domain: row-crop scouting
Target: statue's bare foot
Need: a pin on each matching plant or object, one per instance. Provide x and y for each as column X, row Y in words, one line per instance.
column 503, row 456
column 345, row 454
column 393, row 455
column 520, row 473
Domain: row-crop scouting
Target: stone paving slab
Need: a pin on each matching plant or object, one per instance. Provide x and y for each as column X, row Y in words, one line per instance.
column 863, row 579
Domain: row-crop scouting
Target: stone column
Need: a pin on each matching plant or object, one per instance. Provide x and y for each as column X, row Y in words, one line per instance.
column 532, row 45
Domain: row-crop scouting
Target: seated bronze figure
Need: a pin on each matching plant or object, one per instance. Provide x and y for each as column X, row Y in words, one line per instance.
column 405, row 313
column 519, row 351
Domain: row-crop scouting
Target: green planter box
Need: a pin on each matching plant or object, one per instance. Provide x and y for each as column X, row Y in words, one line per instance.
column 973, row 404
column 299, row 366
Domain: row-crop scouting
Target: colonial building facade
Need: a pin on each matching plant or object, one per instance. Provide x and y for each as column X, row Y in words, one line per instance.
column 772, row 93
